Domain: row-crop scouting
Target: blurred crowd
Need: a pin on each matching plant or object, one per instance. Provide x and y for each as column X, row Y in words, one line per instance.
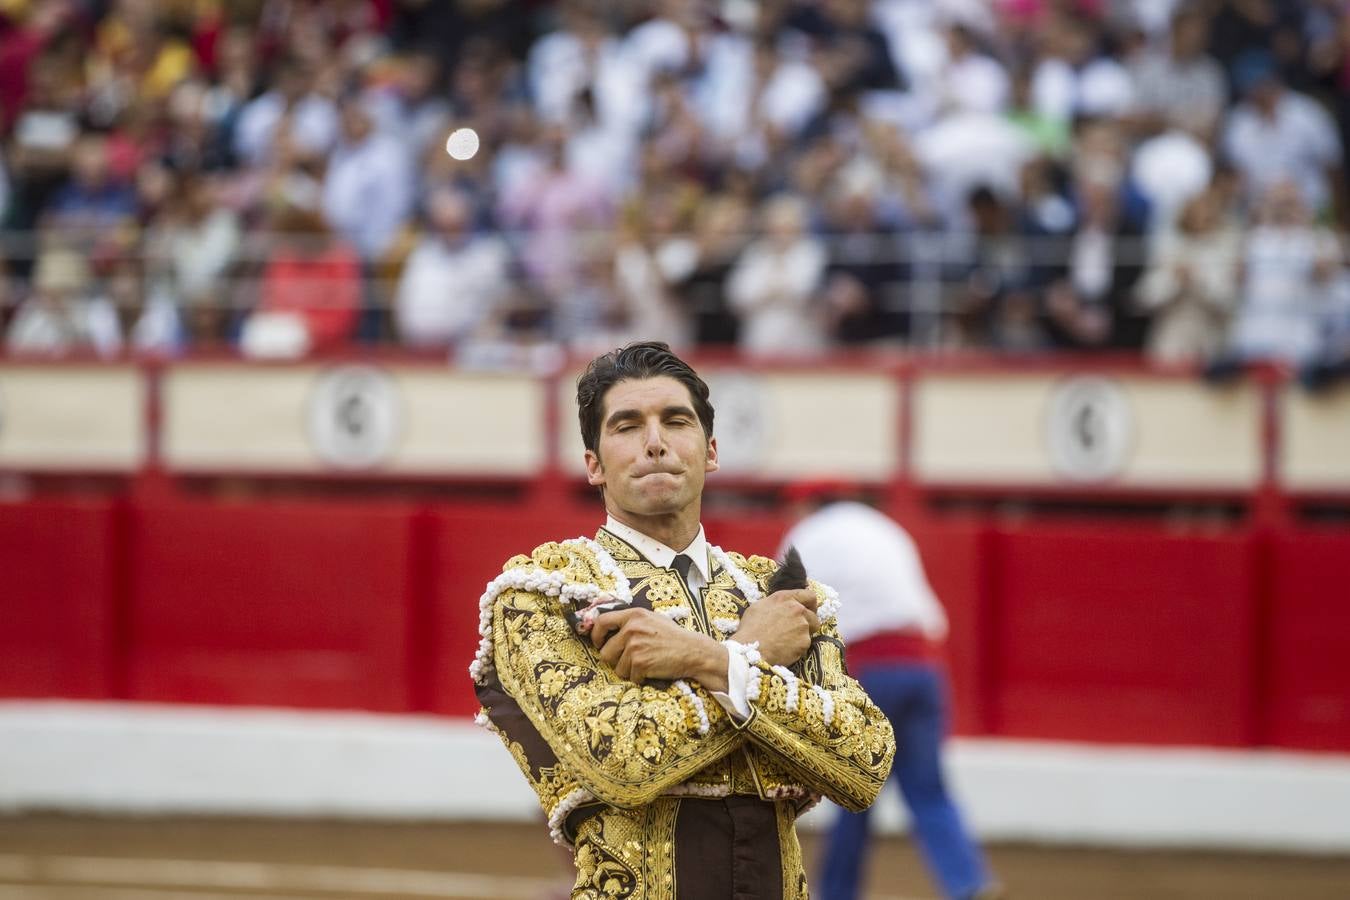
column 1155, row 176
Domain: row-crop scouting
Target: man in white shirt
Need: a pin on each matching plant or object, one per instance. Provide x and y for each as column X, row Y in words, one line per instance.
column 368, row 186
column 1277, row 134
column 673, row 709
column 894, row 629
column 454, row 281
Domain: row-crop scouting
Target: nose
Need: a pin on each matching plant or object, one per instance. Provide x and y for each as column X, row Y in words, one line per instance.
column 656, row 441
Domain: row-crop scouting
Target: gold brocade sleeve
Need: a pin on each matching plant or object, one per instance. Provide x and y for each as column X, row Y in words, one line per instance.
column 624, row 743
column 822, row 725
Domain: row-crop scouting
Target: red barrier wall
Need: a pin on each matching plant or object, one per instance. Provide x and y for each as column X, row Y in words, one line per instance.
column 57, row 586
column 271, row 603
column 1309, row 641
column 1080, row 632
column 1124, row 635
column 951, row 554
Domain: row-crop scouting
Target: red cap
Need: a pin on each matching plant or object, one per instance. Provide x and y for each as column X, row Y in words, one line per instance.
column 819, row 488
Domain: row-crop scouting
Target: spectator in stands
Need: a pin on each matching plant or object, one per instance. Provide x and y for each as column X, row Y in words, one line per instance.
column 584, row 56
column 453, row 281
column 996, row 288
column 1289, row 262
column 61, row 316
column 617, row 101
column 588, row 313
column 1270, row 27
column 45, row 131
column 195, row 242
column 853, row 55
column 1049, row 135
column 137, row 56
column 1074, row 77
column 310, row 286
column 1180, row 86
column 45, row 31
column 1277, row 134
column 147, row 314
column 765, row 111
column 196, row 140
column 237, row 81
column 1333, row 359
column 291, row 105
column 367, row 190
column 367, row 197
column 94, row 204
column 605, row 156
column 863, row 292
column 775, row 283
column 649, row 257
column 410, row 101
column 1191, row 286
column 555, row 206
column 720, row 234
column 1091, row 304
column 895, row 634
column 971, row 79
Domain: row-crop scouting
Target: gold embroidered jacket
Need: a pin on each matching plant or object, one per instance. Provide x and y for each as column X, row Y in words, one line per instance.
column 635, row 777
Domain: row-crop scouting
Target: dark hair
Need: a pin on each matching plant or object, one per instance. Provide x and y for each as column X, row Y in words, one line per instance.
column 647, row 359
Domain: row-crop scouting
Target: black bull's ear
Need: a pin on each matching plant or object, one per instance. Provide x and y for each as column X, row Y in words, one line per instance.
column 791, row 575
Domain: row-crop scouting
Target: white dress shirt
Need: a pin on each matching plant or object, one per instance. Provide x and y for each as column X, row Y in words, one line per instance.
column 700, row 573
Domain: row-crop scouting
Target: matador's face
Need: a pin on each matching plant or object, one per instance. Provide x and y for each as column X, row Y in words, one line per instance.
column 653, row 453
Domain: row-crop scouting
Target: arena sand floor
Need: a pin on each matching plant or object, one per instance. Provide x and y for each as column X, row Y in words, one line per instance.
column 52, row 857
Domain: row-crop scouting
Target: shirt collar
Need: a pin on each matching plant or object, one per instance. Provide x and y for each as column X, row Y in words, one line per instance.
column 659, row 553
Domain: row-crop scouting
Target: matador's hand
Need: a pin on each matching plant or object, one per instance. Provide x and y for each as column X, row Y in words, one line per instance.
column 640, row 645
column 782, row 623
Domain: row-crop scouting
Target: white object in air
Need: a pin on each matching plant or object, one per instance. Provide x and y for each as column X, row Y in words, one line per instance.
column 462, row 143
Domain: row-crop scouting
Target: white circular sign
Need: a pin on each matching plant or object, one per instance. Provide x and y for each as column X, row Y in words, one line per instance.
column 355, row 417
column 741, row 424
column 1089, row 429
column 462, row 143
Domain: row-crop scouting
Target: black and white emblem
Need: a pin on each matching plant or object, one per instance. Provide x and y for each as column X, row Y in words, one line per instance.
column 1089, row 429
column 355, row 417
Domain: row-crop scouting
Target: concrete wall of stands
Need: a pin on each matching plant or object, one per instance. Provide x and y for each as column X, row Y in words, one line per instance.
column 1097, row 629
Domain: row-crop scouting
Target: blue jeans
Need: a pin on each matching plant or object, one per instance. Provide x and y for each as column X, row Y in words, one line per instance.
column 913, row 697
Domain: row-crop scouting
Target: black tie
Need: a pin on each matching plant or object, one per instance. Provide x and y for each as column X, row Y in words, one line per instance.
column 681, row 564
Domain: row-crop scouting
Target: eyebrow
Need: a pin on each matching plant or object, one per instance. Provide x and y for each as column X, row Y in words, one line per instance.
column 628, row 415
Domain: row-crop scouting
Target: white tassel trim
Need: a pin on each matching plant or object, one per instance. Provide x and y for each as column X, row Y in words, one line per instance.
column 792, row 686
column 826, row 704
column 750, row 651
column 552, row 584
column 678, row 613
column 752, row 685
column 698, row 790
column 726, row 626
column 608, row 567
column 697, row 702
column 747, row 585
column 787, row 792
column 558, row 817
column 830, row 608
